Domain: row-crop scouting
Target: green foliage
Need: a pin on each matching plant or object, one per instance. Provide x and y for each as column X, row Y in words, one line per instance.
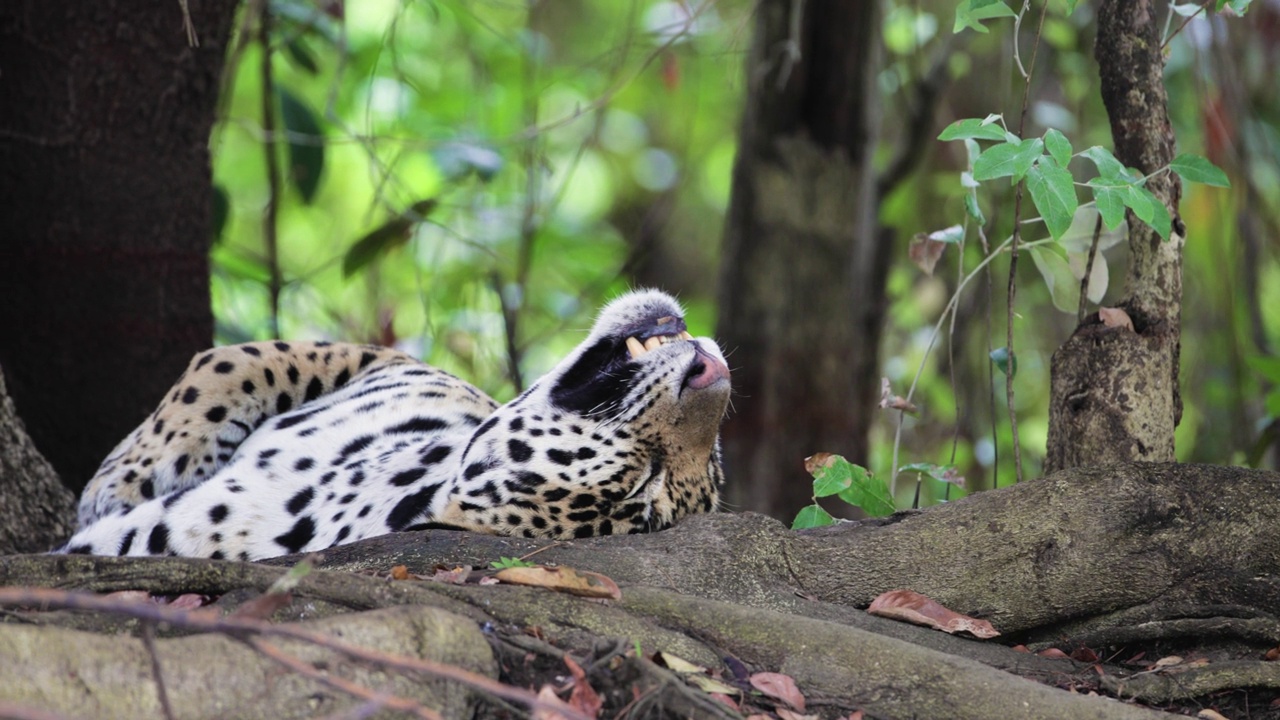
column 306, row 144
column 971, row 13
column 854, row 484
column 504, row 563
column 1006, row 361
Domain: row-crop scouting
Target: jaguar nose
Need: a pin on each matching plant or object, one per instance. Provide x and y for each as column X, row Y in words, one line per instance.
column 705, row 371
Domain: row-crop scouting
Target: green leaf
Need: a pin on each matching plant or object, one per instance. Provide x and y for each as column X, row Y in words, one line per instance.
column 1110, row 202
column 996, row 161
column 1002, row 358
column 941, row 473
column 1149, row 210
column 1108, row 166
column 504, row 563
column 1272, row 403
column 971, row 13
column 973, row 128
column 1267, row 367
column 1063, row 285
column 301, row 55
column 306, row 144
column 1054, row 194
column 382, row 239
column 971, row 207
column 1194, row 168
column 834, row 475
column 1059, row 146
column 811, row 516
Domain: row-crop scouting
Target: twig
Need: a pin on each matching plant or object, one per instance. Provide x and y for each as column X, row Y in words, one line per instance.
column 149, row 642
column 1088, row 270
column 1013, row 257
column 1203, row 6
column 209, row 621
column 273, row 170
column 394, row 702
column 193, row 40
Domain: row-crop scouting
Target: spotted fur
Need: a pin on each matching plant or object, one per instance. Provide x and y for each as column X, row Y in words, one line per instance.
column 271, row 448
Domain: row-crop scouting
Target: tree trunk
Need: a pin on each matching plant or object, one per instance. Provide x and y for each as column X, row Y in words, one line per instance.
column 1114, row 394
column 107, row 200
column 36, row 511
column 803, row 265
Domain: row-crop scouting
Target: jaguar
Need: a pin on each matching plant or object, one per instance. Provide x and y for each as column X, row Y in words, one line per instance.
column 268, row 448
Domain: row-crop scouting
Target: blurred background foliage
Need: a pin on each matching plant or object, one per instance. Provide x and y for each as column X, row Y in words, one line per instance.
column 505, row 166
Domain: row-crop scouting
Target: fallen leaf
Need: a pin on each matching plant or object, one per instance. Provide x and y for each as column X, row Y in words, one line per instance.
column 889, row 401
column 708, row 684
column 263, row 606
column 1167, row 661
column 400, row 572
column 785, row 714
column 453, row 576
column 547, row 695
column 1134, row 660
column 1272, row 655
column 488, row 581
column 189, row 601
column 1020, row 648
column 855, row 715
column 1084, row 654
column 675, row 663
column 1054, row 653
column 921, row 610
column 562, row 579
column 780, row 687
column 1208, row 714
column 583, row 697
column 1115, row 318
column 133, row 595
column 725, row 700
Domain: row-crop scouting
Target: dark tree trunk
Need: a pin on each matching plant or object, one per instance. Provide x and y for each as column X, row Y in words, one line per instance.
column 803, row 266
column 104, row 277
column 1114, row 393
column 36, row 511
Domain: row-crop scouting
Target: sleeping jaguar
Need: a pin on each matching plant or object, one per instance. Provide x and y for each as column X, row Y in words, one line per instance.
column 270, row 448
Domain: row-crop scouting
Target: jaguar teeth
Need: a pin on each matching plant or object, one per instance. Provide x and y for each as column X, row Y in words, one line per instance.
column 636, row 348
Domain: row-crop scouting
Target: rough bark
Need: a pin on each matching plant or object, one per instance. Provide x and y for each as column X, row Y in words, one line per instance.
column 1114, row 393
column 104, row 268
column 1128, row 557
column 803, row 265
column 35, row 509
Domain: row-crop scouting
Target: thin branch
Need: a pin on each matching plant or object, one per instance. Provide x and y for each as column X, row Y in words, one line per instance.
column 273, row 170
column 149, row 642
column 1203, row 6
column 306, row 669
column 1013, row 256
column 1088, row 271
column 193, row 40
column 206, row 620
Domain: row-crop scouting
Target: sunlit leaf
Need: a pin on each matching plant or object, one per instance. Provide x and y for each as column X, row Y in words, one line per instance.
column 1054, row 194
column 380, row 240
column 1109, row 168
column 853, row 483
column 306, row 144
column 971, row 13
column 1006, row 362
column 811, row 516
column 1194, row 168
column 973, row 128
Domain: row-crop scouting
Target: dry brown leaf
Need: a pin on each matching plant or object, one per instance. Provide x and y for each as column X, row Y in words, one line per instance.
column 1272, row 655
column 675, row 663
column 189, row 601
column 487, row 581
column 262, row 606
column 785, row 714
column 583, row 697
column 1054, row 653
column 921, row 610
column 1084, row 655
column 855, row 715
column 453, row 576
column 726, row 700
column 548, row 695
column 1115, row 318
column 562, row 579
column 400, row 572
column 708, row 684
column 925, row 252
column 779, row 687
column 889, row 401
column 1167, row 661
column 1208, row 714
column 1020, row 648
column 133, row 595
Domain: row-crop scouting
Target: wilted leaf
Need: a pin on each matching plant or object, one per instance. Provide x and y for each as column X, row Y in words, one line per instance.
column 400, row 572
column 708, row 684
column 563, row 579
column 1099, row 277
column 453, row 576
column 889, row 401
column 785, row 714
column 547, row 696
column 675, row 663
column 1084, row 655
column 583, row 697
column 1208, row 714
column 1167, row 661
column 1054, row 653
column 779, row 687
column 1272, row 655
column 189, row 601
column 927, row 248
column 380, row 240
column 1063, row 286
column 1115, row 317
column 921, row 610
column 306, row 144
column 944, row 473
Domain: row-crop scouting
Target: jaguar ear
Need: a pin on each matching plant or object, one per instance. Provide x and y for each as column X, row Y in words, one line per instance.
column 636, row 312
column 598, row 379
